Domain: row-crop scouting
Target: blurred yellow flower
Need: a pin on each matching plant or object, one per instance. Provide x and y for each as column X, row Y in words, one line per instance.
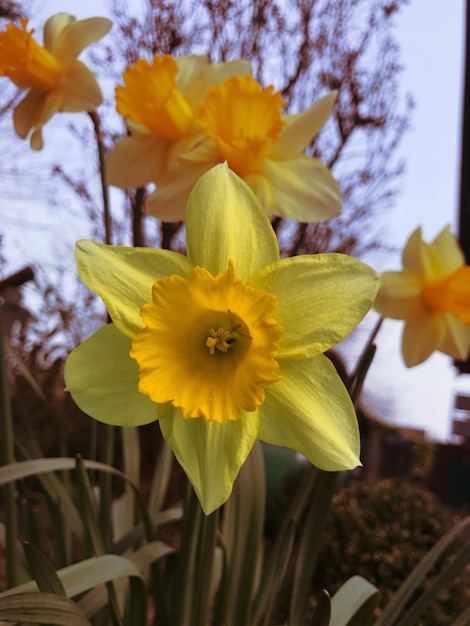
column 432, row 295
column 160, row 102
column 186, row 115
column 224, row 345
column 57, row 81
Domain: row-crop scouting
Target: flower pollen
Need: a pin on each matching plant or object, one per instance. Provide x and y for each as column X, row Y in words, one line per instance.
column 26, row 62
column 243, row 119
column 151, row 97
column 224, row 352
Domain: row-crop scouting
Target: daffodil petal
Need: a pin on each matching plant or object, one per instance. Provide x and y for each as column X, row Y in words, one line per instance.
column 310, row 411
column 417, row 256
column 224, row 221
column 422, row 335
column 123, row 277
column 399, row 295
column 320, row 299
column 169, row 200
column 81, row 91
column 54, row 28
column 79, row 34
column 210, row 453
column 449, row 256
column 132, row 161
column 304, row 189
column 301, row 128
column 103, row 380
column 456, row 340
column 27, row 112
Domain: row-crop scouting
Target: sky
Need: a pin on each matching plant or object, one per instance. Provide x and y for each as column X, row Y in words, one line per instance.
column 431, row 38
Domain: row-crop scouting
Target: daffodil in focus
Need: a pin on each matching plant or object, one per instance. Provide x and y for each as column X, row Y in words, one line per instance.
column 160, row 102
column 224, row 345
column 186, row 115
column 432, row 295
column 54, row 77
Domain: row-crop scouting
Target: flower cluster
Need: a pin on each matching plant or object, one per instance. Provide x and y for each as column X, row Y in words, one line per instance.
column 186, row 115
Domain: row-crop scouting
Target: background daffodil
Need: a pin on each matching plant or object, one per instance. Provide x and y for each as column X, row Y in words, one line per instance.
column 56, row 80
column 160, row 102
column 223, row 345
column 432, row 295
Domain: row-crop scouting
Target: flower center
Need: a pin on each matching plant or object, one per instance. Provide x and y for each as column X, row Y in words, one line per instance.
column 26, row 62
column 243, row 119
column 150, row 97
column 208, row 346
column 450, row 294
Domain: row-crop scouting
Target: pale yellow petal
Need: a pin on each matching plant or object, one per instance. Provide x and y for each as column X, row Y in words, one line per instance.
column 136, row 160
column 210, row 453
column 103, row 380
column 447, row 252
column 304, row 189
column 399, row 295
column 123, row 277
column 310, row 411
column 225, row 223
column 423, row 334
column 80, row 89
column 456, row 340
column 168, row 202
column 301, row 128
column 417, row 256
column 27, row 112
column 320, row 299
column 53, row 30
column 77, row 35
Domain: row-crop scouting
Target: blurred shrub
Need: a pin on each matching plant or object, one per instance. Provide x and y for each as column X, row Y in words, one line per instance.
column 381, row 531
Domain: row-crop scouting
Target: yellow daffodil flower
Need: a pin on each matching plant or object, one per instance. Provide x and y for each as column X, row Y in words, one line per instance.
column 182, row 126
column 432, row 295
column 56, row 80
column 160, row 102
column 224, row 345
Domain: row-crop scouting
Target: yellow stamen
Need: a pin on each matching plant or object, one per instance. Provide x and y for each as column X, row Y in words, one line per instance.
column 243, row 119
column 175, row 364
column 151, row 97
column 27, row 63
column 218, row 339
column 450, row 294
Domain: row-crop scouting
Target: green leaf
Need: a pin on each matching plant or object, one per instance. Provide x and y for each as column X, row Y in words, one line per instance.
column 354, row 603
column 42, row 608
column 322, row 614
column 243, row 534
column 42, row 571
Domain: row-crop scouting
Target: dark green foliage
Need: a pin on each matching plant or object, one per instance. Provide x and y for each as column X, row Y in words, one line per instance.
column 381, row 531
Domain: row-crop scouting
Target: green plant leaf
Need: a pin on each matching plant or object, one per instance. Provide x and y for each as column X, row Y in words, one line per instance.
column 41, row 608
column 354, row 603
column 42, row 571
column 243, row 533
column 322, row 614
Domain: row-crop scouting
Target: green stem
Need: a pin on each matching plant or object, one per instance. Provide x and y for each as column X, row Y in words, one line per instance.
column 106, row 452
column 104, row 188
column 186, row 574
column 8, row 457
column 356, row 380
